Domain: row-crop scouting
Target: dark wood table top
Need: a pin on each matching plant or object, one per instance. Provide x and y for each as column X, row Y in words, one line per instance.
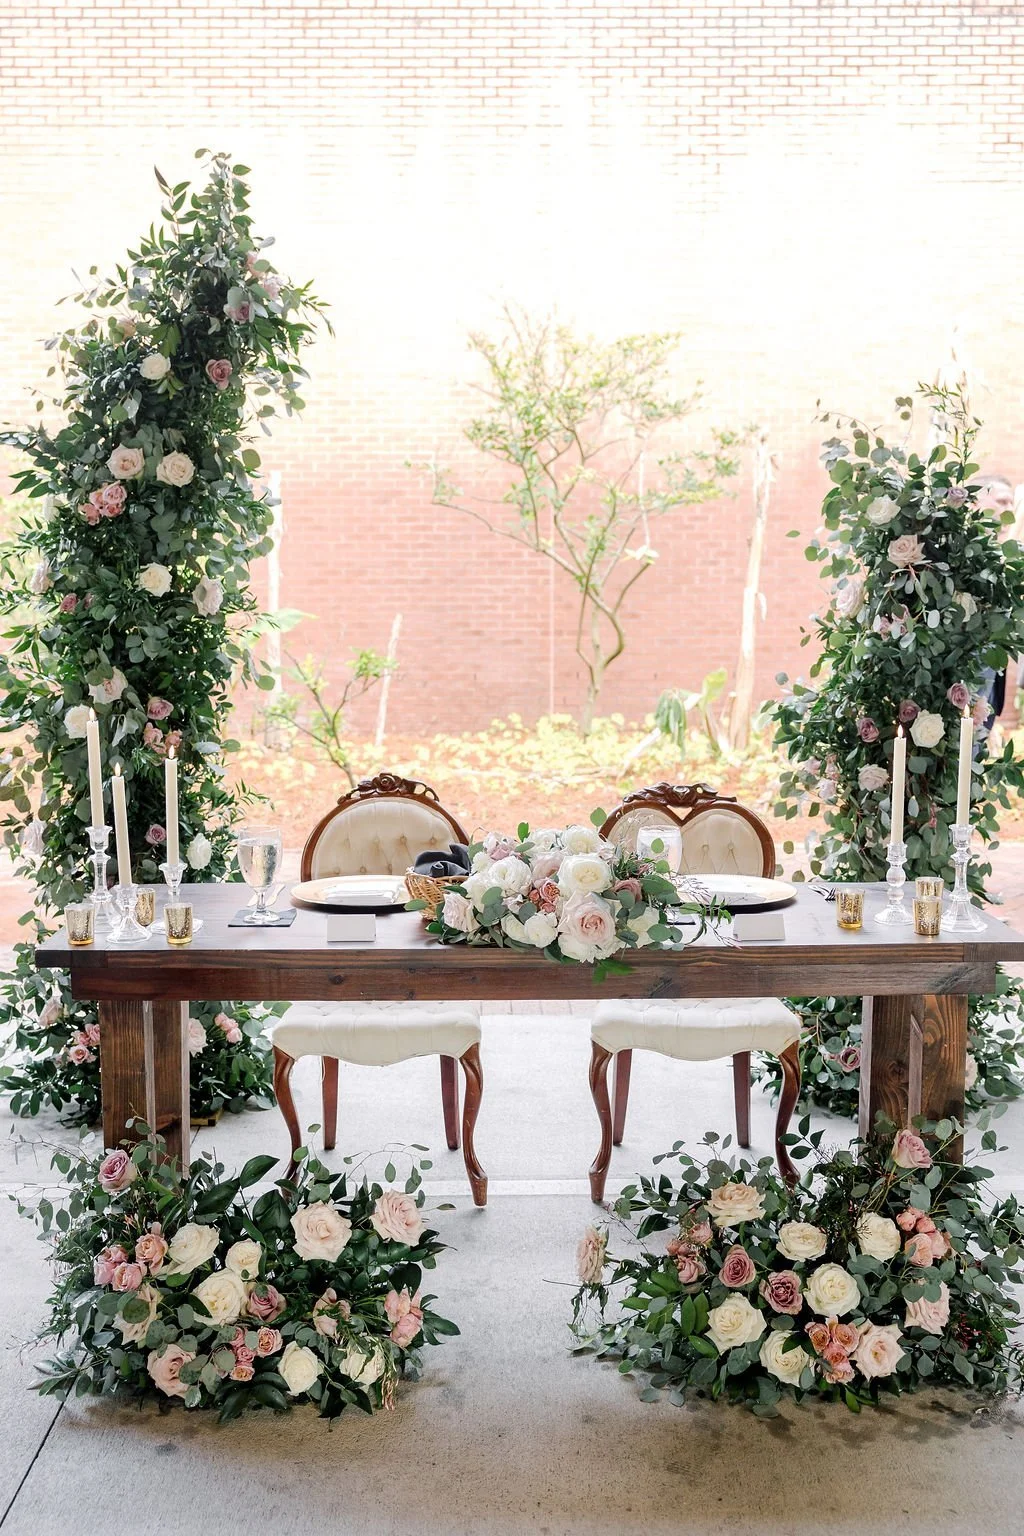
column 405, row 962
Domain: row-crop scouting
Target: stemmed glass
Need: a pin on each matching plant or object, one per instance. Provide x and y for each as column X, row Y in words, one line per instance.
column 259, row 859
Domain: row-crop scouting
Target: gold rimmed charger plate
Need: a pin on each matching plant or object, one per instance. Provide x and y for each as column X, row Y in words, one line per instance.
column 353, row 893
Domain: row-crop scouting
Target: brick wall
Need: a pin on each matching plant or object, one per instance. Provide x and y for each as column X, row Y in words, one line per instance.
column 823, row 197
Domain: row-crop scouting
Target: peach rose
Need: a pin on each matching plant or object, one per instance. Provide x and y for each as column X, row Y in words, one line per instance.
column 165, row 1369
column 878, row 1351
column 106, row 1262
column 590, row 1252
column 908, row 1219
column 175, row 469
column 126, row 463
column 906, row 550
column 321, row 1232
column 919, row 1250
column 909, row 1151
column 268, row 1342
column 127, row 1277
column 151, row 1250
column 689, row 1268
column 405, row 1315
column 396, row 1218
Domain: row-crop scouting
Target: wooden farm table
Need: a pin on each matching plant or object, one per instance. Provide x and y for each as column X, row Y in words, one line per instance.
column 915, row 991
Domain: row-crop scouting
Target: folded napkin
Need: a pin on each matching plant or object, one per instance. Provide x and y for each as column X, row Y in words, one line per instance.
column 436, row 863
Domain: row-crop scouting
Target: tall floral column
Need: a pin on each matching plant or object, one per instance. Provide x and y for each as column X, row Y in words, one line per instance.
column 127, row 590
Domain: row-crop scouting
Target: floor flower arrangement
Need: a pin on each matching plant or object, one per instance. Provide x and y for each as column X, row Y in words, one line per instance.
column 196, row 1289
column 884, row 1271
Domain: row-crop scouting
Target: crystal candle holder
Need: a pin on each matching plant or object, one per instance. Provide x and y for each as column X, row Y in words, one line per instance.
column 961, row 915
column 895, row 912
column 126, row 930
column 99, row 837
column 173, row 875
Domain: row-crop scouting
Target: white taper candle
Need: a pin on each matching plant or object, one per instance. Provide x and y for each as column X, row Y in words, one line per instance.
column 963, row 781
column 122, row 847
column 92, row 742
column 171, row 805
column 899, row 779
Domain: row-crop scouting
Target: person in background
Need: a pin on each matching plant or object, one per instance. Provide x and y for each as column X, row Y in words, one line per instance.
column 997, row 495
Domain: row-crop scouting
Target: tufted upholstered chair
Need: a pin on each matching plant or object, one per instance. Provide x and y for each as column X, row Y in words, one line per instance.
column 718, row 837
column 379, row 829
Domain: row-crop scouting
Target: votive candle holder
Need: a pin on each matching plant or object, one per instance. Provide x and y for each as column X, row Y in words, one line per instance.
column 927, row 916
column 178, row 923
column 849, row 909
column 929, row 885
column 145, row 906
column 80, row 919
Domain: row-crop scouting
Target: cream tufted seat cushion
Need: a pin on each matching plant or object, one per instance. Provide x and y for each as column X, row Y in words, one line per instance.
column 378, row 1034
column 378, row 837
column 699, row 1030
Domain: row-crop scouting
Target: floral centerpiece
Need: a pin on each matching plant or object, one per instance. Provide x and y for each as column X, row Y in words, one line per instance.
column 126, row 586
column 568, row 893
column 192, row 1289
column 882, row 1272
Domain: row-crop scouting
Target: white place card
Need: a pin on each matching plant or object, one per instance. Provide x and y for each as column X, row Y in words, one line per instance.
column 759, row 927
column 351, row 927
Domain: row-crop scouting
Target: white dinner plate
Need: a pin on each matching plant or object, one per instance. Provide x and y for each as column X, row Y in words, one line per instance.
column 738, row 893
column 360, row 893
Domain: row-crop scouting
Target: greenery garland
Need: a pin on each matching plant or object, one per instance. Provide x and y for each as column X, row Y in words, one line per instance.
column 926, row 595
column 127, row 583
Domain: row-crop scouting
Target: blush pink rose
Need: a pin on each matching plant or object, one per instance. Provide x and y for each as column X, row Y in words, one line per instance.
column 265, row 1302
column 112, row 498
column 908, row 711
column 958, row 695
column 151, row 1250
column 231, row 1027
column 92, row 1033
column 867, row 730
column 547, row 864
column 152, row 737
column 909, row 1151
column 165, row 1369
column 106, row 1262
column 980, row 711
column 699, row 1232
column 159, row 709
column 632, row 885
column 127, row 1277
column 849, row 1058
column 396, row 1218
column 69, row 602
column 689, row 1268
column 782, row 1291
column 586, row 930
column 906, row 550
column 405, row 1315
column 268, row 1342
column 930, row 1316
column 907, row 1220
column 116, row 1172
column 218, row 371
column 919, row 1250
column 326, row 1313
column 834, row 1353
column 79, row 1054
column 737, row 1269
column 156, row 835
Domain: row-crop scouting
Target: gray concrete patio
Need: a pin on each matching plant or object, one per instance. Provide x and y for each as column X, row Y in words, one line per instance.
column 506, row 1432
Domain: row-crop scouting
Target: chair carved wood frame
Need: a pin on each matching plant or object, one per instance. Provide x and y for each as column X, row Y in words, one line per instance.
column 391, row 786
column 682, row 803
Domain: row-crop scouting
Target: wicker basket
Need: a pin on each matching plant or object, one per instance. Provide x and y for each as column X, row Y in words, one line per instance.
column 430, row 888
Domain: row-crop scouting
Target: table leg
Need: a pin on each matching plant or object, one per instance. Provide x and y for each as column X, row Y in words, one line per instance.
column 913, row 1059
column 144, row 1071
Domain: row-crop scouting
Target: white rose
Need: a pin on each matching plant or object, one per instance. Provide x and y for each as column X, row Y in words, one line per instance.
column 111, row 688
column 586, row 929
column 872, row 777
column 825, row 789
column 877, row 1236
column 196, row 1037
column 800, row 1240
column 730, row 1204
column 832, row 1291
column 134, row 1333
column 879, row 1350
column 244, row 1258
column 321, row 1231
column 582, row 873
column 971, row 1076
column 126, row 463
column 927, row 730
column 199, row 852
column 544, row 839
column 208, row 595
column 786, row 1364
column 362, row 1367
column 882, row 511
column 641, row 925
column 481, row 861
column 41, row 579
column 581, row 840
column 223, row 1296
column 175, row 469
column 967, row 603
column 299, row 1367
column 735, row 1322
column 512, row 876
column 541, row 929
column 49, row 508
column 155, row 367
column 906, row 550
column 849, row 599
column 76, row 720
column 458, row 913
column 154, row 579
column 191, row 1246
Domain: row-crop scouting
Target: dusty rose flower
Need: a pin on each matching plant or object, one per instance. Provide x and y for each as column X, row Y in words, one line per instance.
column 79, row 1054
column 268, row 1342
column 218, row 371
column 116, row 1171
column 265, row 1303
column 155, row 835
column 737, row 1269
column 909, row 1151
column 326, row 1313
column 906, row 550
column 908, row 1219
column 127, row 1277
column 151, row 1250
column 941, row 1246
column 632, row 885
column 839, row 1374
column 159, row 709
column 69, row 602
column 849, row 1058
column 699, row 1232
column 231, row 1027
column 931, row 1316
column 271, row 285
column 396, row 1218
column 106, row 1262
column 689, row 1268
column 956, row 495
column 590, row 1251
column 782, row 1291
column 867, row 730
column 980, row 711
column 165, row 1369
column 958, row 695
column 153, row 738
column 919, row 1251
column 545, row 895
column 405, row 1315
column 908, row 711
column 92, row 1033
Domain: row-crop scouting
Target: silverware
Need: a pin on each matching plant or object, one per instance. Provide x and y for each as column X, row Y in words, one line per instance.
column 827, row 891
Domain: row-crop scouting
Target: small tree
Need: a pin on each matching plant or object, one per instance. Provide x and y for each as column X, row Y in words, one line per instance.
column 573, row 419
column 925, row 596
column 325, row 723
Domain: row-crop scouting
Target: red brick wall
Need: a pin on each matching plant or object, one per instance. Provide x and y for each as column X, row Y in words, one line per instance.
column 816, row 194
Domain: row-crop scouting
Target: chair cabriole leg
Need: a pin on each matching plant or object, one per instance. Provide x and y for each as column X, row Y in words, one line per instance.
column 450, row 1101
column 330, row 1097
column 789, row 1060
column 623, row 1065
column 283, row 1093
column 741, row 1094
column 599, row 1060
column 474, row 1075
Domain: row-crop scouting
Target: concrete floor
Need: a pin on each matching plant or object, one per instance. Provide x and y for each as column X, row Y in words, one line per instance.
column 507, row 1432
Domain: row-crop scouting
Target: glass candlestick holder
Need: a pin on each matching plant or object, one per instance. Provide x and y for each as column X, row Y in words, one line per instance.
column 961, row 915
column 126, row 930
column 173, row 874
column 895, row 913
column 99, row 837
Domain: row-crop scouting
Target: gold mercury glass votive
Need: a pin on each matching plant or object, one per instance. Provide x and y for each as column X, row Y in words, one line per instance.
column 850, row 909
column 927, row 916
column 929, row 886
column 145, row 906
column 178, row 924
column 80, row 919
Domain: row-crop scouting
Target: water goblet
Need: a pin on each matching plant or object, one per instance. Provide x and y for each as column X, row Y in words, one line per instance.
column 671, row 849
column 259, row 859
